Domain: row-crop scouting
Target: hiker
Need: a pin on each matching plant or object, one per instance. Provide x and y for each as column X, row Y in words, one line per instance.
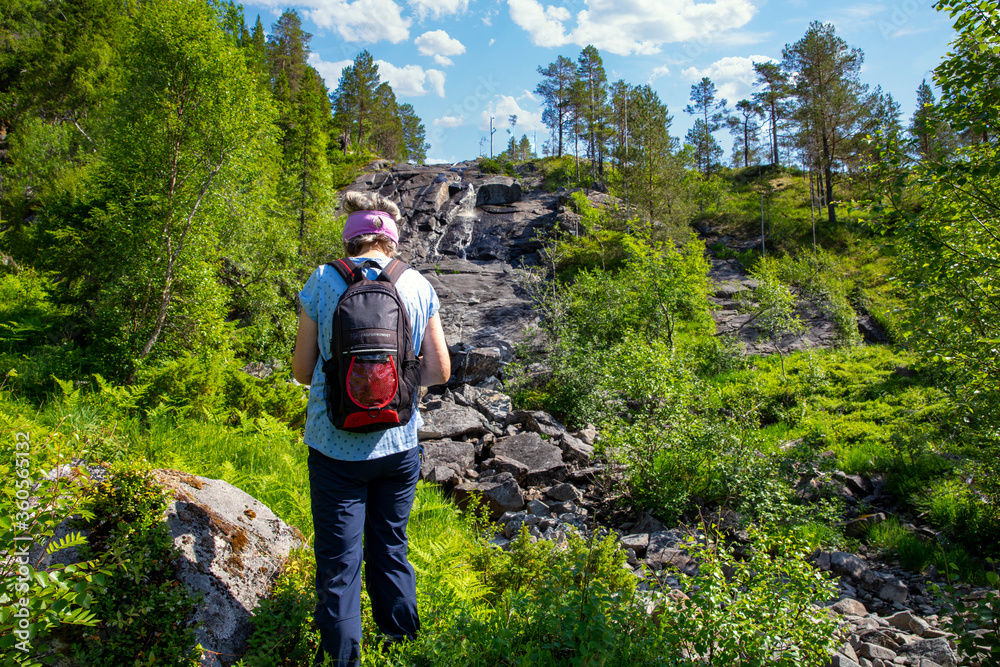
column 363, row 483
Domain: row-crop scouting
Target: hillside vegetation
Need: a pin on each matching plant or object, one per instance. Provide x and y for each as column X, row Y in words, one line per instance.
column 162, row 205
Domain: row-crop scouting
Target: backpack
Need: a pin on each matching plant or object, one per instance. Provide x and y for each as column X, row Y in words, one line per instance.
column 373, row 373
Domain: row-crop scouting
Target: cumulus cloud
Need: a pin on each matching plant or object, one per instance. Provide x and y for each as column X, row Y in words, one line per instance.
column 438, row 8
column 329, row 71
column 357, row 21
column 658, row 72
column 440, row 45
column 503, row 106
column 411, row 80
column 630, row 26
column 449, row 121
column 733, row 76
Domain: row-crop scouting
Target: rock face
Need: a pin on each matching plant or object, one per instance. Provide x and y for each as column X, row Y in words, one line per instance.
column 232, row 547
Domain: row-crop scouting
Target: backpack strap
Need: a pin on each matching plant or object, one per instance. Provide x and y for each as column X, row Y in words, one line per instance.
column 352, row 274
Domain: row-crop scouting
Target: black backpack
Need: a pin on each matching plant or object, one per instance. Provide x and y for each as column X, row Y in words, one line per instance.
column 373, row 372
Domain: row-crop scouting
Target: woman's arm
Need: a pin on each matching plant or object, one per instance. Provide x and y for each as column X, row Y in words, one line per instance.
column 306, row 350
column 435, row 362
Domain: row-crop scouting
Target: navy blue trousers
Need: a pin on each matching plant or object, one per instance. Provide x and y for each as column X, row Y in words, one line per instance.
column 351, row 499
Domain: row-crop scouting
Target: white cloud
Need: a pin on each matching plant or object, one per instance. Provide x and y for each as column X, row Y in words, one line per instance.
column 329, row 71
column 449, row 121
column 733, row 76
column 658, row 72
column 439, row 160
column 631, row 26
column 492, row 42
column 503, row 106
column 438, row 8
column 439, row 44
column 410, row 80
column 357, row 21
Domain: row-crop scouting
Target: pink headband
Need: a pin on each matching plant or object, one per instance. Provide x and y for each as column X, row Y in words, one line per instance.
column 370, row 222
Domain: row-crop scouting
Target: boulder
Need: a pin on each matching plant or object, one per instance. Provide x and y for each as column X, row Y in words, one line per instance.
column 937, row 650
column 501, row 492
column 451, row 421
column 493, row 405
column 664, row 550
column 850, row 607
column 498, row 190
column 638, row 543
column 563, row 492
column 232, row 547
column 543, row 459
column 444, row 461
column 537, row 421
column 575, row 450
column 847, row 564
column 478, row 364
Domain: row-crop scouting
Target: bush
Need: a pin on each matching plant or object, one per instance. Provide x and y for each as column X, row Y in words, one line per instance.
column 764, row 608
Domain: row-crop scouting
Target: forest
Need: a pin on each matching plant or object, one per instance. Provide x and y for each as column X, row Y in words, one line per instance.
column 170, row 175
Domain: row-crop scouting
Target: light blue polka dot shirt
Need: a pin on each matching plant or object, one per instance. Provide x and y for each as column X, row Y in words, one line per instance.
column 319, row 299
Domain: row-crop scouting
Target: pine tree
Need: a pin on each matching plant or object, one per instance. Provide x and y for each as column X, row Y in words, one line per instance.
column 830, row 97
column 744, row 127
column 773, row 98
column 354, row 100
column 414, row 142
column 934, row 138
column 593, row 94
column 712, row 112
column 555, row 91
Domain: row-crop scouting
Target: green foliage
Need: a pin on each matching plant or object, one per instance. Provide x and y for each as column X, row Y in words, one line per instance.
column 144, row 612
column 497, row 165
column 762, row 609
column 53, row 596
column 975, row 622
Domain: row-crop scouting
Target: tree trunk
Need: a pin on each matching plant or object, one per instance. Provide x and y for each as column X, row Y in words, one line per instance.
column 828, row 177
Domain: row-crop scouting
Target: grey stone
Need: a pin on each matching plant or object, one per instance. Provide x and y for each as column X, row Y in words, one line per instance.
column 894, row 591
column 563, row 492
column 232, row 547
column 937, row 650
column 850, row 607
column 542, row 458
column 494, row 405
column 847, row 564
column 451, row 421
column 840, row 660
column 501, row 492
column 537, row 421
column 505, row 464
column 588, row 434
column 858, row 527
column 538, row 508
column 648, row 524
column 575, row 450
column 664, row 550
column 875, row 652
column 637, row 543
column 478, row 364
column 823, row 561
column 440, row 456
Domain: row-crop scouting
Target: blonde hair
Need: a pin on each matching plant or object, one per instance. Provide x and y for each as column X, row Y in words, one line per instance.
column 369, row 201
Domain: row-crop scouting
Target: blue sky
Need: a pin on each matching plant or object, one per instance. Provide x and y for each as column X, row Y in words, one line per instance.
column 460, row 61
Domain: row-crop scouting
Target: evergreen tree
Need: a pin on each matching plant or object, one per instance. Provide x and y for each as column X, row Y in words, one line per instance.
column 524, row 148
column 354, row 100
column 711, row 112
column 592, row 100
column 773, row 99
column 744, row 127
column 831, row 98
column 555, row 90
column 414, row 143
column 934, row 138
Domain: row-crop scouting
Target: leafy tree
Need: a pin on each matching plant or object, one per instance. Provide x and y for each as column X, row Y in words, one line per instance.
column 190, row 134
column 831, row 98
column 710, row 112
column 555, row 91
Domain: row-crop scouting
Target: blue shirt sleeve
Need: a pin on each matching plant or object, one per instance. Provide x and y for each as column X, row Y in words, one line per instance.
column 309, row 297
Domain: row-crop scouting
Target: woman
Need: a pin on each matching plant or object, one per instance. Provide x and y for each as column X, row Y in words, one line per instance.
column 363, row 483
